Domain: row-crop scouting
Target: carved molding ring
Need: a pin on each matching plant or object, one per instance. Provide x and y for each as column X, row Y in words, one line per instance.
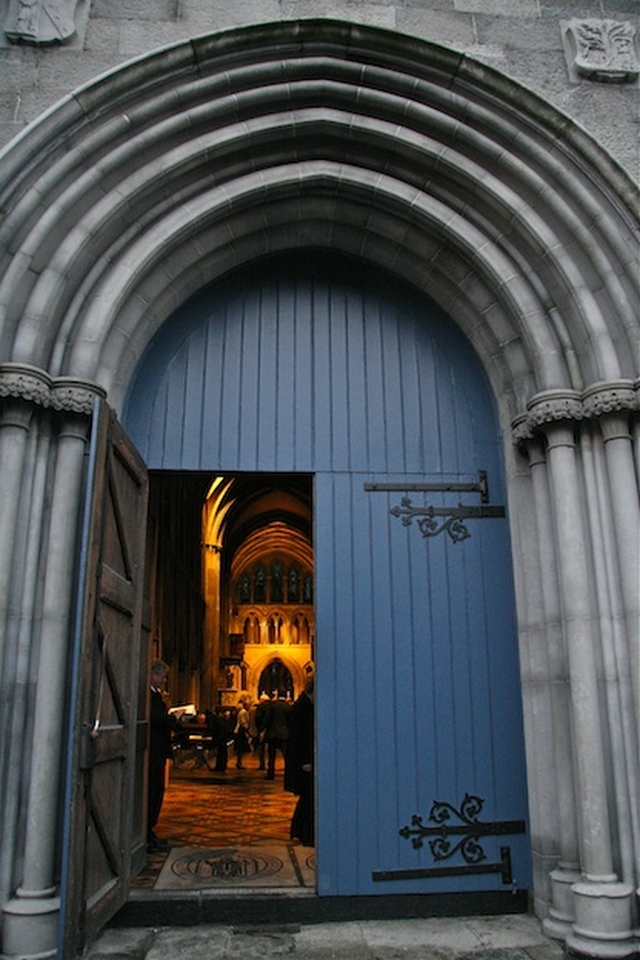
column 612, row 397
column 24, row 382
column 553, row 406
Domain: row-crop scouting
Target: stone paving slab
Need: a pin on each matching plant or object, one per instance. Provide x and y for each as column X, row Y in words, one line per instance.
column 477, row 938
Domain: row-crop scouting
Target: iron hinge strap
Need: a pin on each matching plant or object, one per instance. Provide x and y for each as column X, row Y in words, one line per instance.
column 503, row 867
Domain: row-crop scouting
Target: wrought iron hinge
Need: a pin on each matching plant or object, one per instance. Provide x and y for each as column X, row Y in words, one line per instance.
column 502, row 866
column 425, row 516
column 460, row 823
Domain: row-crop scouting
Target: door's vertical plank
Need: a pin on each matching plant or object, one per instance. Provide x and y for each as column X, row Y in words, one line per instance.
column 373, row 360
column 211, row 422
column 339, row 378
column 237, row 413
column 356, row 378
column 286, row 379
column 269, row 386
column 303, row 394
column 326, row 417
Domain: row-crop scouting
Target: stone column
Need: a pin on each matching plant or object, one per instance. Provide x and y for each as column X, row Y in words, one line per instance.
column 212, row 635
column 559, row 922
column 31, row 917
column 622, row 746
column 602, row 925
column 616, row 405
column 24, row 391
column 612, row 405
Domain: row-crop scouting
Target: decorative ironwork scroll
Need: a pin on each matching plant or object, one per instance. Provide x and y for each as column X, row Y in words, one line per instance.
column 464, row 824
column 452, row 517
column 456, row 831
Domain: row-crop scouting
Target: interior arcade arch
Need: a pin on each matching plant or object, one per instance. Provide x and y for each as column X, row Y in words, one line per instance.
column 215, row 153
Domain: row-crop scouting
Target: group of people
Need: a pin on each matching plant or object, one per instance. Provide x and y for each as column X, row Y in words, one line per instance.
column 272, row 724
column 263, row 727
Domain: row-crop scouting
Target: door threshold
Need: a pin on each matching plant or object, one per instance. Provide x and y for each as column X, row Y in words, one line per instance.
column 303, row 906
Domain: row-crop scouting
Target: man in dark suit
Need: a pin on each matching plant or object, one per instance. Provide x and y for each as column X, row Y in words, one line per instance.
column 161, row 725
column 298, row 775
column 276, row 732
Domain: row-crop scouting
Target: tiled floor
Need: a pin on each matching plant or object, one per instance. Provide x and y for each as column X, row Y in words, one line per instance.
column 206, row 809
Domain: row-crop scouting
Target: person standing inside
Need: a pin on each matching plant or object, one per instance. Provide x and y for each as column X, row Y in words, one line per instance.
column 242, row 739
column 276, row 733
column 262, row 712
column 225, row 738
column 161, row 726
column 298, row 774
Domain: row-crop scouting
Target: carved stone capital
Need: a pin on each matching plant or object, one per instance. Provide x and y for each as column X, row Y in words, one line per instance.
column 24, row 382
column 74, row 396
column 610, row 397
column 521, row 429
column 606, row 399
column 552, row 406
column 30, row 384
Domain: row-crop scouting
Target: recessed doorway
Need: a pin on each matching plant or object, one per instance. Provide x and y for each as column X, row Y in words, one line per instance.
column 317, row 366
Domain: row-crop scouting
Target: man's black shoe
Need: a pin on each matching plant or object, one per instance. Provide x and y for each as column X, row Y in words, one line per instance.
column 156, row 845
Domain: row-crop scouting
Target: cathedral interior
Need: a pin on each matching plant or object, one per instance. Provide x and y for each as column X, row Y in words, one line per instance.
column 230, row 572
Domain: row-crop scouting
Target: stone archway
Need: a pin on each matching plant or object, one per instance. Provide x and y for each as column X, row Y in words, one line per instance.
column 219, row 150
column 295, row 669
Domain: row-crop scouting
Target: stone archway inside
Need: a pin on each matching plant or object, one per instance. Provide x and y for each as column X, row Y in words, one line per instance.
column 232, row 569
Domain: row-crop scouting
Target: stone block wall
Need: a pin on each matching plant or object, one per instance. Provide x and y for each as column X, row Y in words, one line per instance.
column 521, row 38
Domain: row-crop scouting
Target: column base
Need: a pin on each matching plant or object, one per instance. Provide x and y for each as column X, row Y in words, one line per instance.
column 30, row 928
column 558, row 925
column 602, row 926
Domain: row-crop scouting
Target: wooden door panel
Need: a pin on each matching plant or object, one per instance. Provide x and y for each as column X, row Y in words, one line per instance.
column 105, row 732
column 418, row 697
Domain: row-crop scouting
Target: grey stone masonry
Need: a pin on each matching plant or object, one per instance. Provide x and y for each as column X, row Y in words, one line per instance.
column 528, row 40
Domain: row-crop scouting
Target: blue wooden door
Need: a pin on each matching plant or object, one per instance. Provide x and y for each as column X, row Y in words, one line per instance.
column 323, row 368
column 418, row 696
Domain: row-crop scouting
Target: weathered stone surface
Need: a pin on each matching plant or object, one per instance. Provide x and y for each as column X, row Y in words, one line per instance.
column 523, row 40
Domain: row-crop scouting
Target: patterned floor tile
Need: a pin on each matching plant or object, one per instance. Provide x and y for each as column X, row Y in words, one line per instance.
column 208, row 810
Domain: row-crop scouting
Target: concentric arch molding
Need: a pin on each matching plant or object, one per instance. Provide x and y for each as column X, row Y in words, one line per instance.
column 317, row 133
column 553, row 406
column 20, row 381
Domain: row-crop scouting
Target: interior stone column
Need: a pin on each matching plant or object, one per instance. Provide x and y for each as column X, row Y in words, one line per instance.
column 30, row 918
column 602, row 905
column 211, row 562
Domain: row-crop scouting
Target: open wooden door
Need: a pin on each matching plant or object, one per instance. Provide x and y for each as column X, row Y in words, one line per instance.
column 104, row 830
